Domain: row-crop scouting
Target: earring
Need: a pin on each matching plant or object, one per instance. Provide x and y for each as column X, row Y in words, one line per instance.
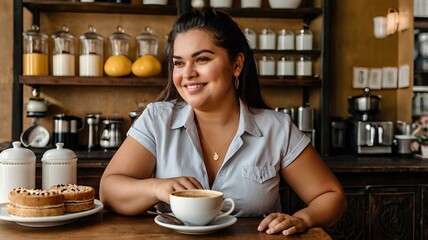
column 236, row 82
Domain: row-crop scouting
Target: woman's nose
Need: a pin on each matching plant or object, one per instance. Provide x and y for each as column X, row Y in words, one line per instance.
column 189, row 71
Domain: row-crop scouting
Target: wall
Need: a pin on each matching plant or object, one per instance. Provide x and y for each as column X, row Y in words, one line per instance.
column 352, row 41
column 353, row 44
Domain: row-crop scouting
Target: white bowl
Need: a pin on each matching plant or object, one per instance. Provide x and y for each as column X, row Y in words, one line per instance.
column 251, row 3
column 221, row 3
column 155, row 2
column 292, row 4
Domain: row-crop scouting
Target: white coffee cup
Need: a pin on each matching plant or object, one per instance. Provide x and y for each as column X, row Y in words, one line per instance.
column 379, row 27
column 198, row 206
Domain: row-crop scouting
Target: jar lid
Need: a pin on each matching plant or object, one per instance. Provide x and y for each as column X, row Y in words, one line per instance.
column 266, row 31
column 284, row 32
column 63, row 33
column 423, row 37
column 91, row 34
column 147, row 35
column 119, row 34
column 304, row 30
column 267, row 58
column 17, row 154
column 60, row 154
column 249, row 31
column 34, row 32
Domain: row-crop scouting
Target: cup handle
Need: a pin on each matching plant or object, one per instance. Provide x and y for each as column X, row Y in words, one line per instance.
column 228, row 212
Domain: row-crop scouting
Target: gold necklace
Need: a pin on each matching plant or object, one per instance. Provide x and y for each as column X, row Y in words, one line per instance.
column 216, row 157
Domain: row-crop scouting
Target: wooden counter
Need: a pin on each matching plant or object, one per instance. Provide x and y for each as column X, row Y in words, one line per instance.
column 108, row 225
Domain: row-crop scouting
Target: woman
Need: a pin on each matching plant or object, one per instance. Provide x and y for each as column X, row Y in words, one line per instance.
column 212, row 130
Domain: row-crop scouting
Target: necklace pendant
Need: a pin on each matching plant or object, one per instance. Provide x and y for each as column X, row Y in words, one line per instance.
column 215, row 156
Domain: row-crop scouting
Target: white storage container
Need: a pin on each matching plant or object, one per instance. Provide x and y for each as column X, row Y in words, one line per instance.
column 59, row 166
column 17, row 169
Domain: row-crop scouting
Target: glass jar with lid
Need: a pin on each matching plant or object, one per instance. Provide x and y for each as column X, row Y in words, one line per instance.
column 285, row 66
column 267, row 39
column 267, row 66
column 304, row 38
column 35, row 52
column 91, row 54
column 119, row 43
column 63, row 60
column 285, row 40
column 304, row 66
column 251, row 37
column 147, row 43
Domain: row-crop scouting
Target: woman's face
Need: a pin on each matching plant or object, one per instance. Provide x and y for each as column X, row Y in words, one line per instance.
column 203, row 74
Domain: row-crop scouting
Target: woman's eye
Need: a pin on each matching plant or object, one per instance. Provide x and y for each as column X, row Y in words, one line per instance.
column 201, row 59
column 178, row 64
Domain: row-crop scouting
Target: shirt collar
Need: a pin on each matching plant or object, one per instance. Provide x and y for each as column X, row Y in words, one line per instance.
column 184, row 117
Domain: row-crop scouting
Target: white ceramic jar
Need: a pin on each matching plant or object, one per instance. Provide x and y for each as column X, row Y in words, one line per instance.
column 251, row 37
column 17, row 169
column 304, row 39
column 304, row 66
column 267, row 66
column 285, row 66
column 267, row 39
column 59, row 166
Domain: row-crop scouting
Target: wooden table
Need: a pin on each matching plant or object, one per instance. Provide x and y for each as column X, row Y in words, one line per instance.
column 109, row 225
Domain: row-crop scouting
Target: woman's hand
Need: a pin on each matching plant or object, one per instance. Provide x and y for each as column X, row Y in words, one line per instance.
column 164, row 187
column 281, row 222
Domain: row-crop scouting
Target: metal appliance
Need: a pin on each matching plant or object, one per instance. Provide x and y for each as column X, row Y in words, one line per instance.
column 370, row 137
column 365, row 135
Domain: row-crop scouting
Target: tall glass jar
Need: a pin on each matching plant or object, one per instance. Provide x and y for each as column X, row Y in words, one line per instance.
column 304, row 66
column 35, row 52
column 251, row 37
column 304, row 38
column 91, row 54
column 147, row 43
column 119, row 43
column 285, row 66
column 267, row 39
column 285, row 40
column 267, row 66
column 63, row 60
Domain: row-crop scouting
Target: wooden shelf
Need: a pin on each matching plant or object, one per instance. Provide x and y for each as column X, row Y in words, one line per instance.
column 312, row 53
column 93, row 81
column 98, row 7
column 153, row 81
column 307, row 14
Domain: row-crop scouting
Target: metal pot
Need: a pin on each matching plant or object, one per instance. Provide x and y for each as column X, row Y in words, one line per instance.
column 365, row 104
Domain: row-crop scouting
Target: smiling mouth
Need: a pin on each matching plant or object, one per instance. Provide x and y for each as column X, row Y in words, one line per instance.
column 195, row 86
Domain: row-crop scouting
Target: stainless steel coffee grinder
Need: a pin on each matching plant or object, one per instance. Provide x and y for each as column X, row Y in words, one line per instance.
column 111, row 137
column 93, row 121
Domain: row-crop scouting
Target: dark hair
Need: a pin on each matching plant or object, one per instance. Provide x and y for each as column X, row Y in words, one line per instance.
column 226, row 34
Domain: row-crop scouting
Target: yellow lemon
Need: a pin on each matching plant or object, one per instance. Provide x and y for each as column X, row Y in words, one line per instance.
column 146, row 65
column 118, row 66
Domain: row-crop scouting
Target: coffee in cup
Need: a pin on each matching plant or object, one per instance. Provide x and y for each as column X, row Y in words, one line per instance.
column 198, row 206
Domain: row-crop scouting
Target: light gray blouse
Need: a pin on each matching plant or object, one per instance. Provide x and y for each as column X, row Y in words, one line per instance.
column 266, row 142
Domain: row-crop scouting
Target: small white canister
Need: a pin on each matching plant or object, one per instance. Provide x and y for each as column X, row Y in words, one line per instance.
column 17, row 169
column 59, row 166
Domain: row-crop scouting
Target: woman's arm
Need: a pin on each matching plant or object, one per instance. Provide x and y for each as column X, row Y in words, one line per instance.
column 317, row 186
column 127, row 186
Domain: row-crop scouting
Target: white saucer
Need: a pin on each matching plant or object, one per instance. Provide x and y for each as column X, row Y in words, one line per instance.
column 48, row 221
column 215, row 226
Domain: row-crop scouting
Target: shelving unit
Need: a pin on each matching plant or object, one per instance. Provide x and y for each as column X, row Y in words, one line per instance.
column 305, row 14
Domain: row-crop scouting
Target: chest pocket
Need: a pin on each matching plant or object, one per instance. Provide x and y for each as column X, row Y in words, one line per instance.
column 257, row 174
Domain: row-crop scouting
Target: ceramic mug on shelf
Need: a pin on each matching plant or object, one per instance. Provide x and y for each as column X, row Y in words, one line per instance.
column 199, row 207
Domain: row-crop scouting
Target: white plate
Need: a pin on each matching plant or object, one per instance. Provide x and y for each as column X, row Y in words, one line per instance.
column 215, row 226
column 48, row 221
